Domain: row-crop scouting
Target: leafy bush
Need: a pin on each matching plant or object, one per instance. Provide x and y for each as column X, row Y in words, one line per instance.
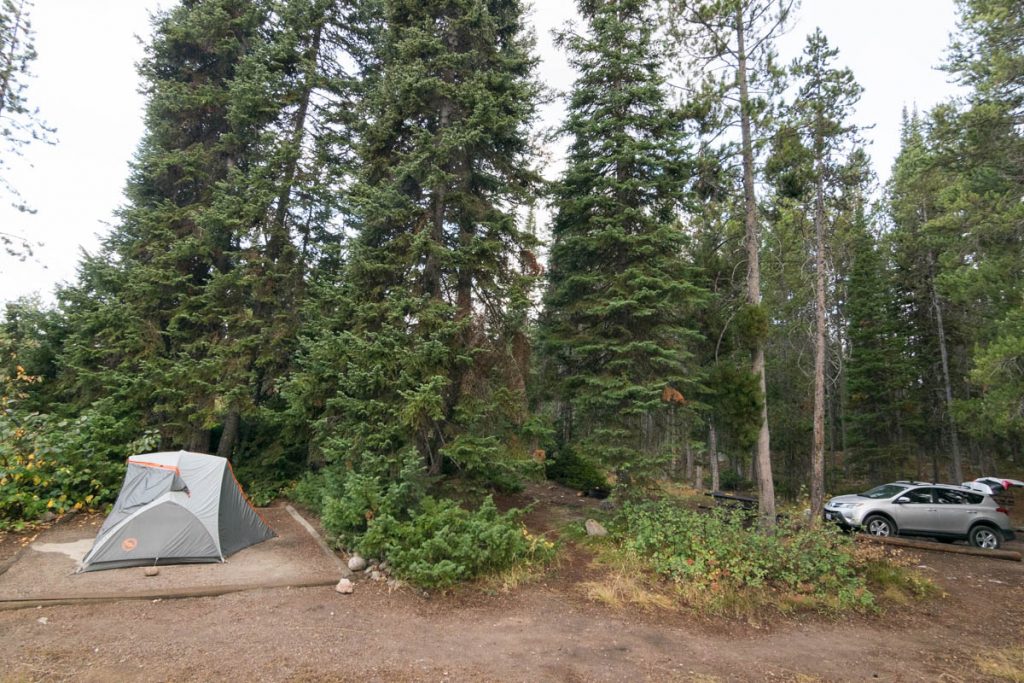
column 441, row 544
column 575, row 471
column 48, row 463
column 716, row 552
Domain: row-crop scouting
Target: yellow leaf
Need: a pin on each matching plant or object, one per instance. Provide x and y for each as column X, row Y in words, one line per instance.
column 50, row 503
column 88, row 499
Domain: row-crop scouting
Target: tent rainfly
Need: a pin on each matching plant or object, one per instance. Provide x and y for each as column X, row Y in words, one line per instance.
column 176, row 508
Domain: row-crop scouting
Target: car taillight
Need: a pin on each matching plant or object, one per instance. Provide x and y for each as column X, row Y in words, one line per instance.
column 1003, row 510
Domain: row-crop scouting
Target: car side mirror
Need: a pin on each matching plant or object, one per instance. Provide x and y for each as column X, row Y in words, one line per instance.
column 902, row 499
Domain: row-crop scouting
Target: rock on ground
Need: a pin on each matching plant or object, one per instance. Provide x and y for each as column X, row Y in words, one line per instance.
column 594, row 528
column 345, row 586
column 356, row 563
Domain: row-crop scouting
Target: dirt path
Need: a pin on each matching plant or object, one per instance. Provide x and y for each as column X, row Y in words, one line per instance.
column 545, row 631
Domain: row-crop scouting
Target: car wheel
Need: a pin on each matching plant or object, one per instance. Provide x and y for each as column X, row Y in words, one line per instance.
column 877, row 525
column 986, row 537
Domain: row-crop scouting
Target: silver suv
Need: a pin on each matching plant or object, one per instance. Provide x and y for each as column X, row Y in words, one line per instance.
column 948, row 513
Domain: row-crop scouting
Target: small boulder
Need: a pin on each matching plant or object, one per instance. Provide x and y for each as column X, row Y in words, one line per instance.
column 151, row 571
column 594, row 528
column 345, row 586
column 376, row 575
column 356, row 563
column 47, row 516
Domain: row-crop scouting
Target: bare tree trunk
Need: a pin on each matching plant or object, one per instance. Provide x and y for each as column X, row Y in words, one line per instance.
column 278, row 237
column 818, row 449
column 430, row 442
column 954, row 442
column 765, row 485
column 228, row 440
column 716, row 482
column 688, row 449
column 198, row 441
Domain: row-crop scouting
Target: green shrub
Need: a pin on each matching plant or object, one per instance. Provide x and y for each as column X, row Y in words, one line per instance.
column 350, row 501
column 52, row 464
column 717, row 552
column 574, row 471
column 441, row 544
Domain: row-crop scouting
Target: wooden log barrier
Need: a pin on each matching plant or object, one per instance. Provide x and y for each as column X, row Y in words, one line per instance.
column 1011, row 555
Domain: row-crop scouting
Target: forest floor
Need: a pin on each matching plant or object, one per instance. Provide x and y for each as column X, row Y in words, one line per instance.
column 546, row 629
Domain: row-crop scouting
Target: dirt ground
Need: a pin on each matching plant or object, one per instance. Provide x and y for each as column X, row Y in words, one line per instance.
column 542, row 631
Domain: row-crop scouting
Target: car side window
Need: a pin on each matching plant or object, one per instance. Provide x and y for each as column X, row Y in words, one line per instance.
column 919, row 495
column 950, row 497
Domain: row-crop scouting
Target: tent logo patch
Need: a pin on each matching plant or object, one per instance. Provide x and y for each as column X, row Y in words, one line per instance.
column 129, row 544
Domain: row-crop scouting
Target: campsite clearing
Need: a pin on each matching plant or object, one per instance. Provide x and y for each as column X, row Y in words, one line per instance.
column 45, row 569
column 541, row 631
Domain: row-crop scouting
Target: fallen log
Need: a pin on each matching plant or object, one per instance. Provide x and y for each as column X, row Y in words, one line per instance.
column 158, row 594
column 1011, row 555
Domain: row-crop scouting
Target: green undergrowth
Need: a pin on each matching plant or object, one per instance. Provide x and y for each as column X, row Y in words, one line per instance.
column 48, row 464
column 662, row 555
column 428, row 541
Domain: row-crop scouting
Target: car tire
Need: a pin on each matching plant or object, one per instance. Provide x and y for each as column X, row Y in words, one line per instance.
column 986, row 537
column 878, row 525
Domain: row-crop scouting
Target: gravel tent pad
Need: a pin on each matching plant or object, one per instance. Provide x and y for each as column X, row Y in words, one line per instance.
column 46, row 569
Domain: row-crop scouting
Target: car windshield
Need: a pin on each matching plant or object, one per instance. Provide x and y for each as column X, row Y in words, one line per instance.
column 883, row 491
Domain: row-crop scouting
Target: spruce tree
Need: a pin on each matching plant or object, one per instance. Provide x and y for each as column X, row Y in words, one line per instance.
column 185, row 320
column 877, row 374
column 615, row 322
column 415, row 363
column 923, row 249
column 979, row 141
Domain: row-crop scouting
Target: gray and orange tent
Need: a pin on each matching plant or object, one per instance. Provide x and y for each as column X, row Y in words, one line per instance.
column 176, row 508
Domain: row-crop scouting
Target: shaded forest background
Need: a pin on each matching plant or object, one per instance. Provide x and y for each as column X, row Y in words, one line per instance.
column 338, row 264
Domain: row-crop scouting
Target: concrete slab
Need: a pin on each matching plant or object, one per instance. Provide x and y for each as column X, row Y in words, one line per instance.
column 47, row 568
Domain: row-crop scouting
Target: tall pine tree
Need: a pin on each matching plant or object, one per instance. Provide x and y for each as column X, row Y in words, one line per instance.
column 739, row 35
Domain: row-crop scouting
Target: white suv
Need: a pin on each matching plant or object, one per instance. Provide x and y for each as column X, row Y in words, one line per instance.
column 947, row 513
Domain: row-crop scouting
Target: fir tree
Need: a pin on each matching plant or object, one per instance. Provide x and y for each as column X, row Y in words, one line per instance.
column 615, row 315
column 185, row 320
column 416, row 361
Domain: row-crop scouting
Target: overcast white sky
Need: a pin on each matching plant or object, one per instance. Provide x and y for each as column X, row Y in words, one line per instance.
column 85, row 84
